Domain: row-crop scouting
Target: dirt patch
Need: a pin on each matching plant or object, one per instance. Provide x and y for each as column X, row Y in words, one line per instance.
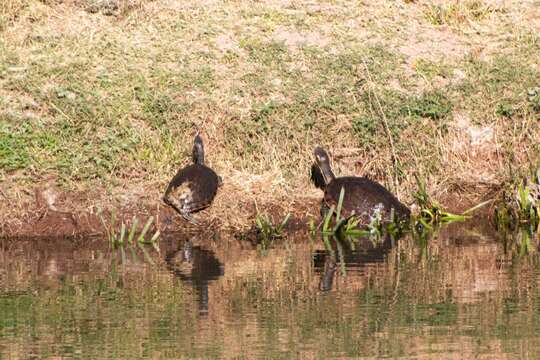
column 294, row 39
column 52, row 212
column 434, row 45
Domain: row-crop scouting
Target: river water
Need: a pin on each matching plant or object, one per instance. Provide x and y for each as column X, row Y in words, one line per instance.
column 463, row 293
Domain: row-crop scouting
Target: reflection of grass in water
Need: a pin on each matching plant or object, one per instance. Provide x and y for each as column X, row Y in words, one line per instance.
column 519, row 242
column 424, row 301
column 119, row 239
column 443, row 294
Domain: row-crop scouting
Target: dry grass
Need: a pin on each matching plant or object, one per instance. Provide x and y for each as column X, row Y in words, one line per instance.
column 100, row 96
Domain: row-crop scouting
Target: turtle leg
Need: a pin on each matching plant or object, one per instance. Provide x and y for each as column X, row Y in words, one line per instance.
column 172, row 201
column 180, row 207
column 220, row 181
column 188, row 217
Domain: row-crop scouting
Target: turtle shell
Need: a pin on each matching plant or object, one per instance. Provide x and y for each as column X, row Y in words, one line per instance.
column 363, row 197
column 196, row 185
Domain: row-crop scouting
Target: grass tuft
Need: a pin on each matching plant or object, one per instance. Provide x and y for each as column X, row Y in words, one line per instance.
column 460, row 12
column 121, row 238
column 268, row 231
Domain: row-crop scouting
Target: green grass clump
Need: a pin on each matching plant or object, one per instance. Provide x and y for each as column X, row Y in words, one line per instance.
column 268, row 231
column 431, row 212
column 430, row 69
column 120, row 238
column 349, row 230
column 505, row 109
column 434, row 105
column 267, row 53
column 401, row 111
column 520, row 204
column 365, row 128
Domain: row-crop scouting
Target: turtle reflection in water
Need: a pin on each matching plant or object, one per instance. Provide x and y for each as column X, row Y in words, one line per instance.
column 327, row 263
column 197, row 266
column 363, row 197
column 194, row 187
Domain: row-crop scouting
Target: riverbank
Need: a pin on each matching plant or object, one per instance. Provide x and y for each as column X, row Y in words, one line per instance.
column 99, row 100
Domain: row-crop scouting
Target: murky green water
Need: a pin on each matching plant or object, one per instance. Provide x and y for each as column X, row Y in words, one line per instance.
column 460, row 296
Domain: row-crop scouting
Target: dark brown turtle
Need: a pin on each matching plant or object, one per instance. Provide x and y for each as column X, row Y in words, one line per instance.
column 363, row 196
column 194, row 187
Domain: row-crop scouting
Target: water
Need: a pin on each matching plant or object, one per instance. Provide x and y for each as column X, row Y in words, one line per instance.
column 463, row 295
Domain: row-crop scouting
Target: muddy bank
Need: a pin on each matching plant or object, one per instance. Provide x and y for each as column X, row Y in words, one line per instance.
column 47, row 213
column 58, row 213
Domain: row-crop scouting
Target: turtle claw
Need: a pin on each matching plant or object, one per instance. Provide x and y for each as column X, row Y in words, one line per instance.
column 188, row 217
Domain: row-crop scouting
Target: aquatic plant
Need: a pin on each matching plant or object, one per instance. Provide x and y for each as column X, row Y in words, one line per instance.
column 119, row 238
column 267, row 230
column 349, row 230
column 431, row 212
column 520, row 204
column 517, row 215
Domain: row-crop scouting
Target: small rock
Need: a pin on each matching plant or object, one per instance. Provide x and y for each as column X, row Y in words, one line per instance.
column 480, row 135
column 29, row 104
column 276, row 82
column 458, row 75
column 66, row 94
column 50, row 195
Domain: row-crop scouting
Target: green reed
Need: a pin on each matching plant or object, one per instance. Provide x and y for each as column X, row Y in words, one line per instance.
column 517, row 215
column 431, row 212
column 268, row 230
column 520, row 204
column 349, row 230
column 422, row 225
column 120, row 237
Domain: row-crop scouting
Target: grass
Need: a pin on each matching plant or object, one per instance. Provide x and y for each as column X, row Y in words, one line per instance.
column 520, row 204
column 121, row 237
column 460, row 12
column 336, row 229
column 268, row 231
column 106, row 102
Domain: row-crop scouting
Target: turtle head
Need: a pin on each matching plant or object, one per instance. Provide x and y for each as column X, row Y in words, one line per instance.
column 198, row 150
column 317, row 177
column 321, row 173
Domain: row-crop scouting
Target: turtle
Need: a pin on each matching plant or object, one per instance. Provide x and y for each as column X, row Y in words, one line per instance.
column 363, row 197
column 194, row 187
